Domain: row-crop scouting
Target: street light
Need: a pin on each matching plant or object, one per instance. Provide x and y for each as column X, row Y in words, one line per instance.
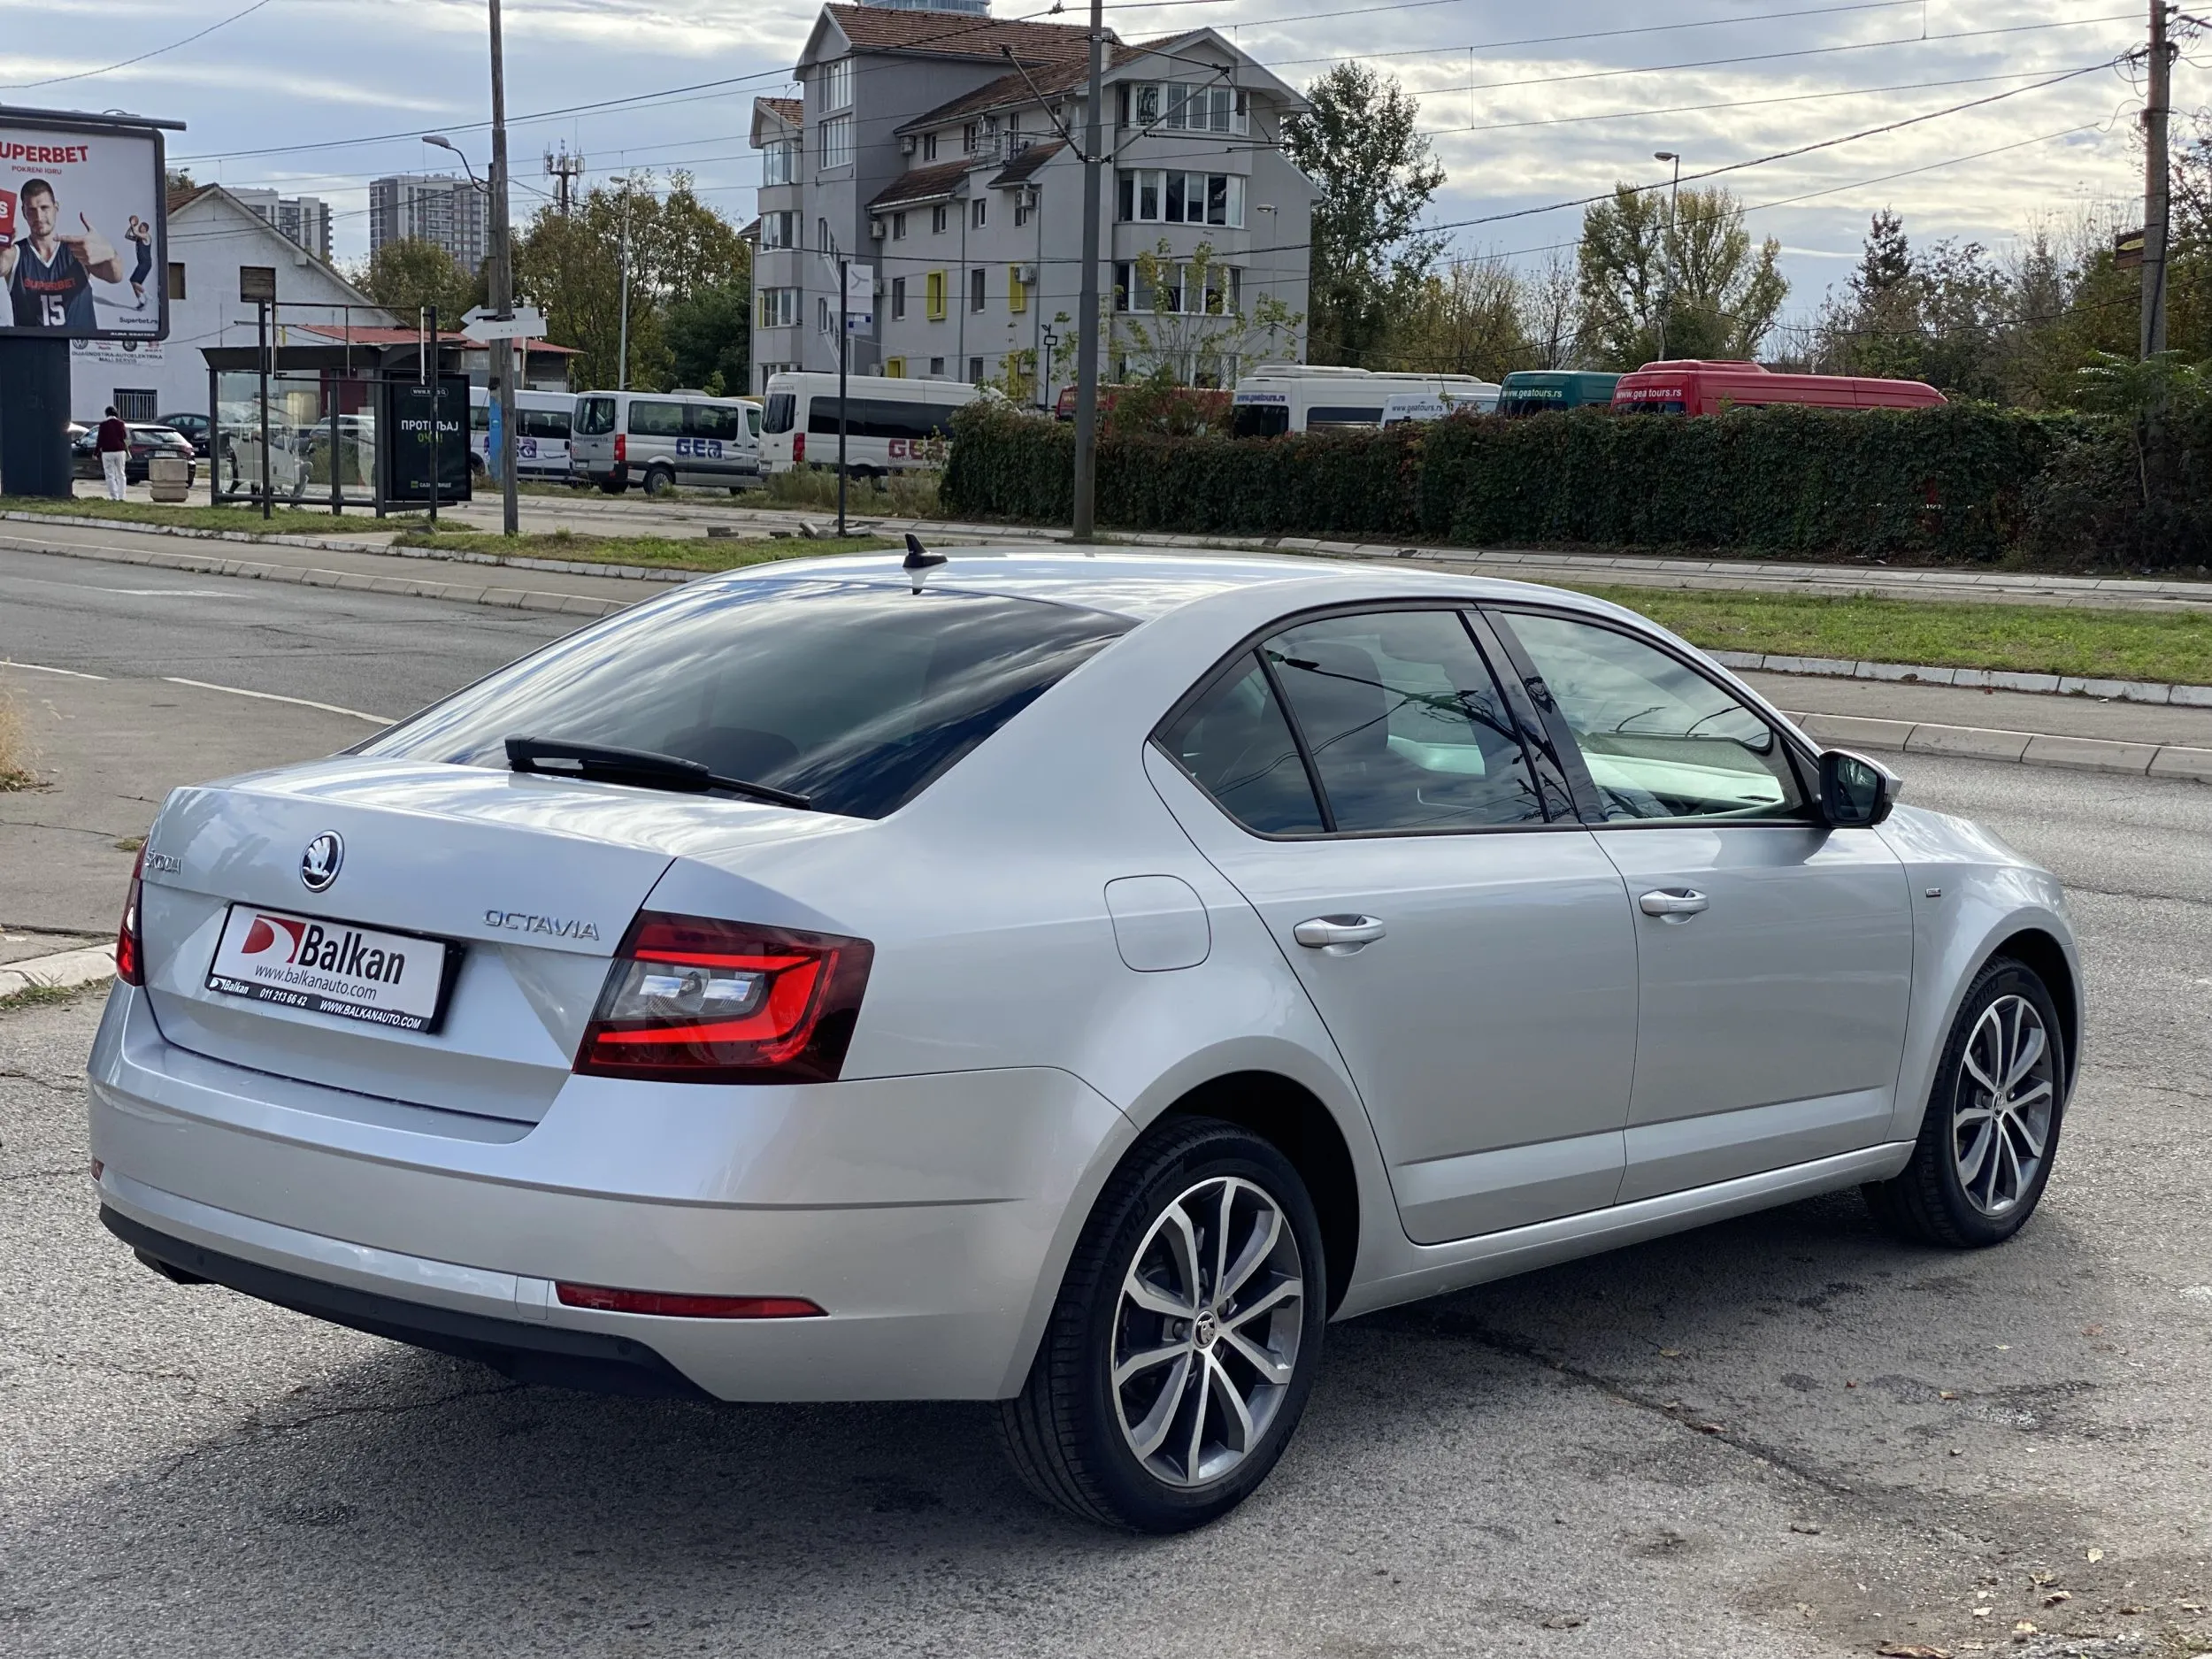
column 1666, row 313
column 440, row 141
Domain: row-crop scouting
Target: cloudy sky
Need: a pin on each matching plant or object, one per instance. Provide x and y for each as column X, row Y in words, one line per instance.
column 1528, row 104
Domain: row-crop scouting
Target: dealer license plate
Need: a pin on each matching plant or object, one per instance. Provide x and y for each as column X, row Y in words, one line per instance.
column 331, row 967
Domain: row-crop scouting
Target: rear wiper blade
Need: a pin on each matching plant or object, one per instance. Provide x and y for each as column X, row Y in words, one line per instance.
column 556, row 757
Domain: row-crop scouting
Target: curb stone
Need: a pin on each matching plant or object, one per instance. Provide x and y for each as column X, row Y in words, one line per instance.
column 62, row 970
column 2030, row 748
column 2150, row 691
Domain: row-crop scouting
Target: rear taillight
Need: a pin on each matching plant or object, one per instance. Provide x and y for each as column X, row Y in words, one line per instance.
column 130, row 942
column 621, row 450
column 691, row 1000
column 676, row 1305
column 798, row 448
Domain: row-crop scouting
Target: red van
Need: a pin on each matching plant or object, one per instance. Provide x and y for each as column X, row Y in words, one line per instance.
column 1701, row 387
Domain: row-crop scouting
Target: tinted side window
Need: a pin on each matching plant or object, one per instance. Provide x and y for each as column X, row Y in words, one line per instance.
column 782, row 411
column 1259, row 420
column 542, row 422
column 1343, row 415
column 1661, row 740
column 656, row 421
column 713, row 421
column 1237, row 746
column 1405, row 725
column 595, row 415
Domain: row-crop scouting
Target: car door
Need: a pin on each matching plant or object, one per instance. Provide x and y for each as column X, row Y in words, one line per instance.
column 1774, row 953
column 714, row 433
column 1468, row 952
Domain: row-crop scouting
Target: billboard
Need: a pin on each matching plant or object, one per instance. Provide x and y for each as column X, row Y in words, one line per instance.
column 83, row 228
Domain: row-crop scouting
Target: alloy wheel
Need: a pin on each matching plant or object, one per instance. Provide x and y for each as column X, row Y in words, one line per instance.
column 2003, row 1110
column 1206, row 1331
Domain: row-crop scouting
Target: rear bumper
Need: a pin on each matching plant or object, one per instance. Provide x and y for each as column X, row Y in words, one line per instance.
column 929, row 1215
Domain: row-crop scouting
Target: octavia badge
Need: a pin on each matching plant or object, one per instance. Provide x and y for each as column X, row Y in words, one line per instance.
column 318, row 864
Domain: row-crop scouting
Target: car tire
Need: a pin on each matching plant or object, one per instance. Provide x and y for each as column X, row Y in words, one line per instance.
column 1985, row 1154
column 1155, row 1448
column 659, row 480
column 613, row 485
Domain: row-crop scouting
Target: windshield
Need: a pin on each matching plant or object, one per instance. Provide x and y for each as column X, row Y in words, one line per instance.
column 593, row 416
column 1259, row 420
column 782, row 411
column 853, row 695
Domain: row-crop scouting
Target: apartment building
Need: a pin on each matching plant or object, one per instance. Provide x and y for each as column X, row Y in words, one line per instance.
column 432, row 207
column 304, row 219
column 937, row 147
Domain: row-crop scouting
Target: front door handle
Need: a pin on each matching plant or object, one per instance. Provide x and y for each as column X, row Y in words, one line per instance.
column 1673, row 904
column 1339, row 935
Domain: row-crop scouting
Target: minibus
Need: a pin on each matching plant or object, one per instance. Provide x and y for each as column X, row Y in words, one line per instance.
column 891, row 424
column 1701, row 387
column 541, row 421
column 1532, row 391
column 1481, row 398
column 1280, row 397
column 659, row 440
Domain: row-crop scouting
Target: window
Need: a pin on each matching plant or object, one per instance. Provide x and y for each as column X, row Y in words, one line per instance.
column 715, row 420
column 934, row 296
column 1661, row 740
column 971, row 136
column 929, row 146
column 1237, row 747
column 1017, row 290
column 783, row 412
column 595, row 417
column 778, row 308
column 823, row 323
column 652, row 420
column 937, row 367
column 938, row 216
column 837, row 85
column 979, row 212
column 133, row 404
column 975, row 370
column 898, row 298
column 1208, row 108
column 881, row 417
column 778, row 230
column 975, row 289
column 855, row 696
column 480, row 416
column 779, row 162
column 1023, row 208
column 1405, row 726
column 1180, row 288
column 542, row 422
column 1146, row 195
column 898, row 228
column 894, row 368
column 835, row 149
column 176, row 279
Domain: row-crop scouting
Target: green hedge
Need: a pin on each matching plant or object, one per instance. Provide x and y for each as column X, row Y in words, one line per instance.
column 1958, row 482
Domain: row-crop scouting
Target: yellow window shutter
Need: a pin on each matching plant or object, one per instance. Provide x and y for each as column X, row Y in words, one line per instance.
column 1016, row 293
column 934, row 296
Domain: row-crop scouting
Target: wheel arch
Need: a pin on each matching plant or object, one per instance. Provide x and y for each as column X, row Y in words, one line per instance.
column 2040, row 951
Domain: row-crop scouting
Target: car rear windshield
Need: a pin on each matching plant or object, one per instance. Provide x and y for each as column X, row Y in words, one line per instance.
column 595, row 415
column 855, row 696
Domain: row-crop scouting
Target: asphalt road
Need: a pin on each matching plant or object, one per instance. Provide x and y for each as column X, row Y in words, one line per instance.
column 380, row 654
column 1785, row 1435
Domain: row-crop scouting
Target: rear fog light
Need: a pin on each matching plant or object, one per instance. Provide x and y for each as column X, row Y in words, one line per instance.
column 671, row 1305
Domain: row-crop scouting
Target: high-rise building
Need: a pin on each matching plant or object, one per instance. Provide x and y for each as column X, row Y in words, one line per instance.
column 304, row 219
column 429, row 207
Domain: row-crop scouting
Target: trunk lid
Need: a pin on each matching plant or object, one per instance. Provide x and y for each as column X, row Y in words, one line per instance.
column 529, row 881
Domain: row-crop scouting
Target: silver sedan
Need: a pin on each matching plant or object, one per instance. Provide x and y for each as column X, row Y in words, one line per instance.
column 1060, row 980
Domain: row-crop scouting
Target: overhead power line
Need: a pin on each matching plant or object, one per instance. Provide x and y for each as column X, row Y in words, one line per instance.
column 87, row 74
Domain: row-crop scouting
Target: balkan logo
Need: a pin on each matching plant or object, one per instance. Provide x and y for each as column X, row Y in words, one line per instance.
column 309, row 945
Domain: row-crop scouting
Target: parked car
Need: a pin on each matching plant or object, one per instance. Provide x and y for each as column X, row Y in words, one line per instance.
column 84, row 452
column 146, row 441
column 1700, row 388
column 1535, row 391
column 659, row 440
column 197, row 428
column 1064, row 978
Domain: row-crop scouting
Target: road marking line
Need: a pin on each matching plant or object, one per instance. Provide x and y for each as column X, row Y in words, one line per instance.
column 41, row 668
column 271, row 697
column 171, row 592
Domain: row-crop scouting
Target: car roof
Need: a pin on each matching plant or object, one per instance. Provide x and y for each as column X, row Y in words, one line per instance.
column 1142, row 585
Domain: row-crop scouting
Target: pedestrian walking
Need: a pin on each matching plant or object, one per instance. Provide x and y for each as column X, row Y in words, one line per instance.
column 115, row 448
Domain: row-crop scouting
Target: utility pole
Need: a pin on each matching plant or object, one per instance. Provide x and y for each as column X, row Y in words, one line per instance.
column 502, row 288
column 844, row 334
column 1086, row 318
column 1666, row 313
column 2156, row 182
column 622, row 337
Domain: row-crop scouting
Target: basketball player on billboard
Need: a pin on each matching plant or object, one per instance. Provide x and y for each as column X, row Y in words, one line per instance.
column 49, row 272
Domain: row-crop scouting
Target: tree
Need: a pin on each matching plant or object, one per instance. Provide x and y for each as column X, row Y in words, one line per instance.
column 1471, row 317
column 1375, row 174
column 571, row 264
column 709, row 337
column 1184, row 325
column 406, row 275
column 1690, row 274
column 1552, row 314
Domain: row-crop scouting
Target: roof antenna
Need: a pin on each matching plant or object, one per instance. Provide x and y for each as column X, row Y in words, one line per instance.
column 918, row 558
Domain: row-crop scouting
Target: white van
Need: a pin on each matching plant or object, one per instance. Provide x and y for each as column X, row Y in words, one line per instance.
column 891, row 426
column 1281, row 397
column 541, row 421
column 1481, row 398
column 663, row 439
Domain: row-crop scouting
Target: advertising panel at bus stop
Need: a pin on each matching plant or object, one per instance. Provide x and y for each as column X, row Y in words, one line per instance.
column 83, row 229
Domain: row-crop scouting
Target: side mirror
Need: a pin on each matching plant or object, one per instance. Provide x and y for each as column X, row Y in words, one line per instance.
column 1855, row 792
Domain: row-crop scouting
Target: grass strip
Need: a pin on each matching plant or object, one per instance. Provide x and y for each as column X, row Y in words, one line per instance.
column 40, row 995
column 2175, row 647
column 683, row 553
column 281, row 521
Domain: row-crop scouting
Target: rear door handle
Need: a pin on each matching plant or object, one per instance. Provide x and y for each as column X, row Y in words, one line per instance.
column 1673, row 904
column 1340, row 935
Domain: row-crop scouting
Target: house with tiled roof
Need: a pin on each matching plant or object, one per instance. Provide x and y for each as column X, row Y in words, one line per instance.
column 943, row 150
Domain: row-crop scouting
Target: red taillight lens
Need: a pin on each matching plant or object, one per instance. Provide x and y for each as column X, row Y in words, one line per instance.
column 674, row 1305
column 130, row 944
column 691, row 1000
column 621, row 450
column 798, row 448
